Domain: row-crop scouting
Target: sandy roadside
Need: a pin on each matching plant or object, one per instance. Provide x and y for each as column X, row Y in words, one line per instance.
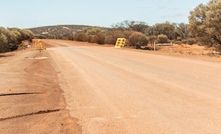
column 31, row 99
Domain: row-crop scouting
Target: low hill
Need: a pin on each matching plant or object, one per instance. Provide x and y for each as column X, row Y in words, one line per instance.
column 58, row 29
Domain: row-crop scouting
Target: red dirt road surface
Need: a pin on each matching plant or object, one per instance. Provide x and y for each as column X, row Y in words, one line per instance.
column 108, row 91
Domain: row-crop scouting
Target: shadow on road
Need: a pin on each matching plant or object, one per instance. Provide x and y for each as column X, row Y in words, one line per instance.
column 6, row 55
column 18, row 94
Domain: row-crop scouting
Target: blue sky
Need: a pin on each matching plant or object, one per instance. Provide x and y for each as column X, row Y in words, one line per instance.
column 29, row 13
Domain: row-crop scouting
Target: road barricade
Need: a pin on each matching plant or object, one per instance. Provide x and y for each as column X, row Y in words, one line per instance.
column 38, row 44
column 120, row 43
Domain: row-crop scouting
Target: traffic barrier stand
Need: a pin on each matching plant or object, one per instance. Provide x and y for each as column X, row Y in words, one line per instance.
column 39, row 44
column 120, row 43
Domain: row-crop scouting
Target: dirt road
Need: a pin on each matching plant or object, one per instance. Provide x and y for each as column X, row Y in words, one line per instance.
column 123, row 91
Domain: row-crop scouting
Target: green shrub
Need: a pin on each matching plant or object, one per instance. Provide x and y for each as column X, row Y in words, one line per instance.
column 152, row 39
column 3, row 43
column 26, row 35
column 138, row 39
column 162, row 39
column 13, row 37
column 16, row 36
column 92, row 30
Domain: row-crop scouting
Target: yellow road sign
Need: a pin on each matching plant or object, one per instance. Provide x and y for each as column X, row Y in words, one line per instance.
column 38, row 43
column 120, row 42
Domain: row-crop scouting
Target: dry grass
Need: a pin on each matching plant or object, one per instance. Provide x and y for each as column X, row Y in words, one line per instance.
column 185, row 49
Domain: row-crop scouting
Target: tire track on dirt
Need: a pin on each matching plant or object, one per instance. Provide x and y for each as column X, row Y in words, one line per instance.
column 29, row 114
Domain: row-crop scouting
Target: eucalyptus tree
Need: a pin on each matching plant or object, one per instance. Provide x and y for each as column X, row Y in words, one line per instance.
column 205, row 23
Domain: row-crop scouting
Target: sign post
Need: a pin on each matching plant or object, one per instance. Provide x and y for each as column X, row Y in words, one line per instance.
column 171, row 46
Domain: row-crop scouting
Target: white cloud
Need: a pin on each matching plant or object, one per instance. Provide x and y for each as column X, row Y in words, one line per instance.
column 164, row 1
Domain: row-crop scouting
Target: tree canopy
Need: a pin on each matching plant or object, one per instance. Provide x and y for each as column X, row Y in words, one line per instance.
column 13, row 36
column 205, row 23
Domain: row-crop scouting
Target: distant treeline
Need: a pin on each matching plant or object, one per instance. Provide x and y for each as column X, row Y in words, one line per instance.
column 10, row 38
column 143, row 33
column 203, row 29
column 58, row 29
column 137, row 34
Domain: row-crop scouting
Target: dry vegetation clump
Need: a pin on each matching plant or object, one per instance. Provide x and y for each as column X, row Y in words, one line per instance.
column 179, row 39
column 3, row 43
column 189, row 41
column 99, row 38
column 120, row 32
column 92, row 30
column 178, row 42
column 218, row 48
column 162, row 38
column 190, row 49
column 81, row 37
column 152, row 39
column 41, row 37
column 138, row 39
column 70, row 37
column 113, row 35
column 90, row 39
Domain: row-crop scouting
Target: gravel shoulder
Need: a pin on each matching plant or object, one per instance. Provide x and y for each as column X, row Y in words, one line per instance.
column 31, row 99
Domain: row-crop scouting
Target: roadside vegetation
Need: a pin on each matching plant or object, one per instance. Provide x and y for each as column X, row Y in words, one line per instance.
column 58, row 29
column 10, row 38
column 203, row 29
column 205, row 24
